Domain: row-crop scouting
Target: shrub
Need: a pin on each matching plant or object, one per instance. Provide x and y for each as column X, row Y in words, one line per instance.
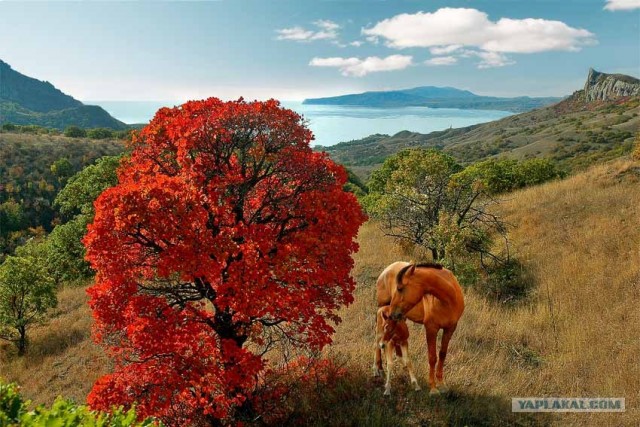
column 75, row 132
column 14, row 411
column 506, row 282
column 100, row 133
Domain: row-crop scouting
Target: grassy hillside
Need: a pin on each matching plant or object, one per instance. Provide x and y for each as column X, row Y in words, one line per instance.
column 571, row 132
column 577, row 335
column 85, row 116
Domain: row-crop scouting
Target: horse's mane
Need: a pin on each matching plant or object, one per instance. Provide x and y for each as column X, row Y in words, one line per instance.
column 422, row 264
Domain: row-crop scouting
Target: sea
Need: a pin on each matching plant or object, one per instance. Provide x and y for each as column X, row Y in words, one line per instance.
column 332, row 124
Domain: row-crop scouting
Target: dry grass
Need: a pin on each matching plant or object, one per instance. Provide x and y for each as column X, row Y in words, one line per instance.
column 61, row 360
column 577, row 335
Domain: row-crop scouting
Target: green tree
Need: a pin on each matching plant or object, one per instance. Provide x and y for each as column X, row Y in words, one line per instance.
column 354, row 184
column 64, row 251
column 84, row 187
column 100, row 133
column 12, row 217
column 497, row 176
column 26, row 293
column 421, row 197
column 62, row 169
column 75, row 132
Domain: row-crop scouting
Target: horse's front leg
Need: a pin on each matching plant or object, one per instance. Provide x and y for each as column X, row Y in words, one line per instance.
column 377, row 357
column 377, row 362
column 407, row 363
column 388, row 352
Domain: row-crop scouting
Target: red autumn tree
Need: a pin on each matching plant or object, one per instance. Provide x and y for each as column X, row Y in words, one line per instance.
column 225, row 236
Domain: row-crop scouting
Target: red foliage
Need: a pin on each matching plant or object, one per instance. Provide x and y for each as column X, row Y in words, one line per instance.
column 226, row 234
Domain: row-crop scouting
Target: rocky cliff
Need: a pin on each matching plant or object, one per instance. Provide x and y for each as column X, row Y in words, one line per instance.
column 608, row 87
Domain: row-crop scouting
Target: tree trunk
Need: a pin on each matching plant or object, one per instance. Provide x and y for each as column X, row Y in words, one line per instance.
column 22, row 341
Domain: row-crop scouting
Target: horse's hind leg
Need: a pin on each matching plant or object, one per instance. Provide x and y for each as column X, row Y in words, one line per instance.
column 444, row 346
column 432, row 335
column 407, row 363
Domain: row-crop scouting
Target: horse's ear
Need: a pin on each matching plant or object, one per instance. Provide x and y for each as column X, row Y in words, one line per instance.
column 411, row 270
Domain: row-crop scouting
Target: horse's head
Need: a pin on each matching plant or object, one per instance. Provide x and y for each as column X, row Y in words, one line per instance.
column 408, row 294
column 389, row 328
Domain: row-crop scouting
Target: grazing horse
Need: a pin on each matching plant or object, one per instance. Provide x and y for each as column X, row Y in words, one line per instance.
column 393, row 337
column 427, row 294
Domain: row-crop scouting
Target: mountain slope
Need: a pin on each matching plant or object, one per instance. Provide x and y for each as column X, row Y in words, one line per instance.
column 28, row 101
column 434, row 97
column 32, row 94
column 575, row 131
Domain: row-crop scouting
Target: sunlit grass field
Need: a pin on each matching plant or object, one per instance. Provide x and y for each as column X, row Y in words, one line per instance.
column 576, row 335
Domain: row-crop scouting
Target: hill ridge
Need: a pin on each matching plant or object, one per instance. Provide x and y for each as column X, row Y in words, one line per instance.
column 26, row 100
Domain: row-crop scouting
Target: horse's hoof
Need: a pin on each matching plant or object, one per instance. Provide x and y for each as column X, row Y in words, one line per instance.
column 416, row 387
column 443, row 389
column 387, row 392
column 434, row 392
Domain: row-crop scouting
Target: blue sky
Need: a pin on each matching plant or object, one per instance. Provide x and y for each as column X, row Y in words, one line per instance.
column 296, row 49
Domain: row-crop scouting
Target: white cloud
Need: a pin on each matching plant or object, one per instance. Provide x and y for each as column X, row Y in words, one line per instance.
column 622, row 4
column 490, row 59
column 357, row 67
column 327, row 30
column 444, row 50
column 487, row 59
column 473, row 28
column 441, row 60
column 295, row 33
column 327, row 25
column 356, row 43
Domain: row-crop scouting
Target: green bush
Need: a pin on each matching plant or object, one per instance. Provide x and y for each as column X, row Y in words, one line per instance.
column 504, row 175
column 14, row 411
column 100, row 133
column 75, row 132
column 507, row 282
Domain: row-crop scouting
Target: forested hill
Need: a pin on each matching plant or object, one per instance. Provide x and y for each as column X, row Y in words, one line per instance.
column 434, row 97
column 28, row 101
column 595, row 123
column 33, row 169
